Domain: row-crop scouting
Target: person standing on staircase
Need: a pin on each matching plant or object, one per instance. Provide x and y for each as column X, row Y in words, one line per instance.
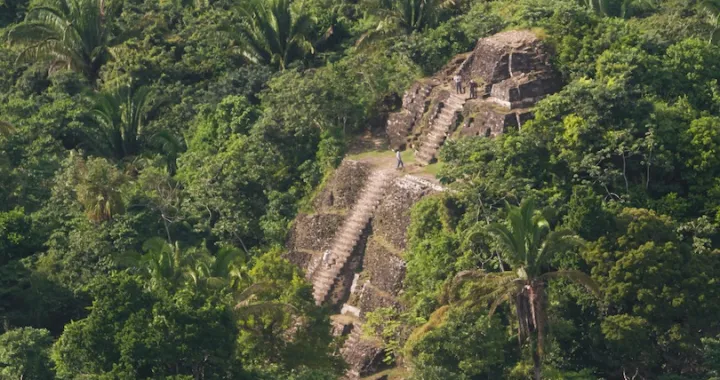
column 458, row 83
column 473, row 89
column 400, row 164
column 326, row 258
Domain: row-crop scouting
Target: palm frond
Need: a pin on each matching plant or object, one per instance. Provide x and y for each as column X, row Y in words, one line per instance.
column 243, row 297
column 436, row 319
column 271, row 34
column 65, row 33
column 575, row 276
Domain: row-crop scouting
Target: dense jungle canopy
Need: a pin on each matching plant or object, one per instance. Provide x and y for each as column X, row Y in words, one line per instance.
column 153, row 154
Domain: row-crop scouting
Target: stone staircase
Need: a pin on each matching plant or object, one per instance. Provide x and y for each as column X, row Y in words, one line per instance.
column 349, row 234
column 440, row 127
column 352, row 340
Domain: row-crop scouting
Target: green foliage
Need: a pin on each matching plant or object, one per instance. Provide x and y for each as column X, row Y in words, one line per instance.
column 186, row 334
column 657, row 286
column 386, row 324
column 467, row 343
column 25, row 354
column 207, row 123
column 273, row 34
column 408, row 15
column 711, row 351
column 432, row 248
column 120, row 129
column 16, row 240
column 98, row 188
column 67, row 33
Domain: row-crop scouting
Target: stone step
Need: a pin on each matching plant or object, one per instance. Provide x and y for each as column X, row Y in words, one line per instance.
column 422, row 159
column 324, row 283
column 347, row 237
column 365, row 205
column 434, row 145
column 343, row 248
column 452, row 106
column 444, row 118
column 427, row 155
column 348, row 234
column 370, row 199
column 343, row 245
column 356, row 224
column 325, row 275
column 353, row 234
column 436, row 137
column 359, row 217
column 323, row 288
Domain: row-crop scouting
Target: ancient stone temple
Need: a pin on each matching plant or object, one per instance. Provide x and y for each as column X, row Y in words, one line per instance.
column 361, row 216
column 350, row 242
column 513, row 72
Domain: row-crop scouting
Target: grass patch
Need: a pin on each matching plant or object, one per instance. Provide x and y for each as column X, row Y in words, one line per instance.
column 379, row 240
column 305, row 205
column 408, row 157
column 371, row 155
column 433, row 169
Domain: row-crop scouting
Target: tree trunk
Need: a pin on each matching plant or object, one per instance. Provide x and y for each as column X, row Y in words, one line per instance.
column 537, row 365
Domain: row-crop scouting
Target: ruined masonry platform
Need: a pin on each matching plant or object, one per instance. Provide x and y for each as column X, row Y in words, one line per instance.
column 349, row 234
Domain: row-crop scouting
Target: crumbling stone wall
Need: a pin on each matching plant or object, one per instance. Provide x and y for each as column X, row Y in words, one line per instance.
column 489, row 119
column 415, row 103
column 513, row 71
column 376, row 266
column 383, row 265
column 342, row 190
column 311, row 234
column 507, row 54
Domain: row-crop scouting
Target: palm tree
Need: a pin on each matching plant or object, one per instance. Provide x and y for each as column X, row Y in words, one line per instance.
column 528, row 246
column 225, row 269
column 623, row 9
column 271, row 34
column 67, row 33
column 165, row 265
column 120, row 122
column 412, row 15
column 712, row 9
column 248, row 301
column 98, row 189
column 404, row 16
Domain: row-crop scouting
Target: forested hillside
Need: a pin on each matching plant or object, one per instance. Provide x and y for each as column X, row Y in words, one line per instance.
column 153, row 154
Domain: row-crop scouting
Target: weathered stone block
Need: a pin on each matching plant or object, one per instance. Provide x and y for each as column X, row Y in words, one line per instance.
column 507, row 54
column 372, row 298
column 313, row 232
column 364, row 357
column 486, row 118
column 392, row 217
column 400, row 123
column 383, row 268
column 343, row 188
